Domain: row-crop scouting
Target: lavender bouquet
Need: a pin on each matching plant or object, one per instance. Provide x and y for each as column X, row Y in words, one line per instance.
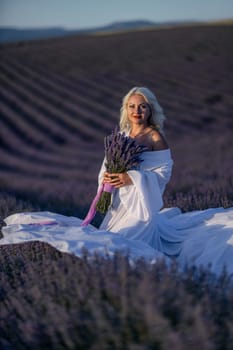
column 121, row 154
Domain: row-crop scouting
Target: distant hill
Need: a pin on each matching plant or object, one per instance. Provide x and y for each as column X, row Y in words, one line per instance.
column 10, row 34
column 15, row 34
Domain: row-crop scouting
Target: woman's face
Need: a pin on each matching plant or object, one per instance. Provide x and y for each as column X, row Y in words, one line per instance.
column 138, row 110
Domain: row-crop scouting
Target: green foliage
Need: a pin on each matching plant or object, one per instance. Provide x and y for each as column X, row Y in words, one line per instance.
column 104, row 202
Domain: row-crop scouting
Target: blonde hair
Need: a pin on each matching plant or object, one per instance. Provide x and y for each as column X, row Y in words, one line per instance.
column 157, row 117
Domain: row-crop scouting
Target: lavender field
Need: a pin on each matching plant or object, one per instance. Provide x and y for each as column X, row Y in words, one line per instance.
column 58, row 99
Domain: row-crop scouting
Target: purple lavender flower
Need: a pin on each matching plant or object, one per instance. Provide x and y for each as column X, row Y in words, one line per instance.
column 122, row 154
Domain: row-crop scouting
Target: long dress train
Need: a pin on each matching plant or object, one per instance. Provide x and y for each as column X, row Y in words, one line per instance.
column 136, row 225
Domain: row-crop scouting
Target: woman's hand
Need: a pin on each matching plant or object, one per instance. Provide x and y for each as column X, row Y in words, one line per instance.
column 117, row 180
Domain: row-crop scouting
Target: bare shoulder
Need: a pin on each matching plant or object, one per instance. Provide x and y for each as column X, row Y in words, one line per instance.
column 158, row 142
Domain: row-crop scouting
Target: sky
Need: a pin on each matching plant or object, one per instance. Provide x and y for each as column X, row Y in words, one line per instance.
column 78, row 14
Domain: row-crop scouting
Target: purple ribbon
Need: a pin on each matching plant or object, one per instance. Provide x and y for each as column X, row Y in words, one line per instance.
column 92, row 211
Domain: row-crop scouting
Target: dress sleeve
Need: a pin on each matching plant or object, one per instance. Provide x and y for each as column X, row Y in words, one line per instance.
column 144, row 199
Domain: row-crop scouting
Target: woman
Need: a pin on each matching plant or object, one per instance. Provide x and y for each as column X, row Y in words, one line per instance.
column 135, row 223
column 138, row 196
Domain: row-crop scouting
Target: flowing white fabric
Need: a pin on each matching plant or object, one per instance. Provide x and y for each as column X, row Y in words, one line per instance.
column 136, row 225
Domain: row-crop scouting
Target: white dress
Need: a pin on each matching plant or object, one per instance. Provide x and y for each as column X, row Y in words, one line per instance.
column 136, row 225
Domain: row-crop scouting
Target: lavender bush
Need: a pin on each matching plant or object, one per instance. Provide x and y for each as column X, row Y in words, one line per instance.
column 52, row 300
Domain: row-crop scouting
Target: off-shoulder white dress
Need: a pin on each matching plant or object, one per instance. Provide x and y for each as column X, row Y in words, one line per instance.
column 137, row 225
